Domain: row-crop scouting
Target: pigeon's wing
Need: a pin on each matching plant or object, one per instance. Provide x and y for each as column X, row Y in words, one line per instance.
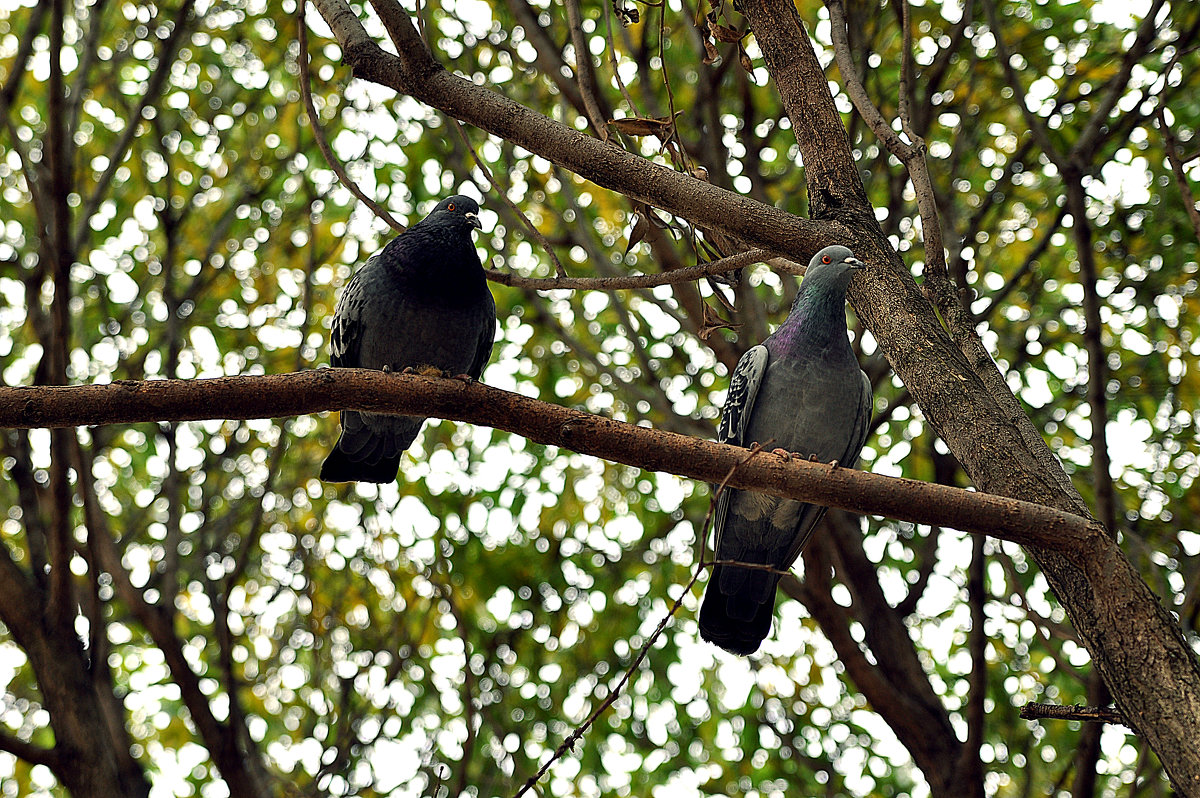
column 487, row 337
column 743, row 390
column 346, row 333
column 856, row 436
column 862, row 424
column 735, row 416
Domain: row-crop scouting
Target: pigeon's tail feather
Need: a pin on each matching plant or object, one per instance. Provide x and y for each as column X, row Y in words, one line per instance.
column 740, row 621
column 746, row 587
column 338, row 467
column 363, row 455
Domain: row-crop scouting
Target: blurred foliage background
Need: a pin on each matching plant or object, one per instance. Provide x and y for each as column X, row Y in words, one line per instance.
column 443, row 635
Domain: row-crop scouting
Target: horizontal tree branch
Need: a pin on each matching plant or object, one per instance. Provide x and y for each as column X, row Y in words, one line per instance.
column 280, row 395
column 1035, row 711
column 633, row 281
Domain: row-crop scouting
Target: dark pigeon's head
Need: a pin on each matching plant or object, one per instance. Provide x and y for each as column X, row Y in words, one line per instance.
column 456, row 211
column 835, row 265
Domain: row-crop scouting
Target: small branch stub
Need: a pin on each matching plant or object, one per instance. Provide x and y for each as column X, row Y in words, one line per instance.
column 1033, row 711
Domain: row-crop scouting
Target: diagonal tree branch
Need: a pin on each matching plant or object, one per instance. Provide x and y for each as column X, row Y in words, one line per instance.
column 1177, row 162
column 414, row 72
column 585, row 74
column 19, row 66
column 31, row 753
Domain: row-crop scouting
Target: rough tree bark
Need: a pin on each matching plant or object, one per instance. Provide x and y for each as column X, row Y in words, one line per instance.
column 1133, row 641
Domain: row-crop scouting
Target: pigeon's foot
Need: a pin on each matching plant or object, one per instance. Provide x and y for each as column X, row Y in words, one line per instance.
column 424, row 371
column 833, row 464
column 387, row 369
column 467, row 378
column 784, row 453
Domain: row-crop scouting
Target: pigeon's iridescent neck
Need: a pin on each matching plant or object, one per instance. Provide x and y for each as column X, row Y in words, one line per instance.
column 817, row 322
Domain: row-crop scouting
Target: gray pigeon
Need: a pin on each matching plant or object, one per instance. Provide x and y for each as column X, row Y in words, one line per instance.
column 422, row 301
column 802, row 391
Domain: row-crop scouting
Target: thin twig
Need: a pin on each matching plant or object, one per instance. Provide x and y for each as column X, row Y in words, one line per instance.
column 615, row 693
column 319, row 132
column 684, row 162
column 912, row 155
column 117, row 155
column 1026, row 267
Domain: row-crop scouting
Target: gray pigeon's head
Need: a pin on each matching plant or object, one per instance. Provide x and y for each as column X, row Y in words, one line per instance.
column 835, row 264
column 457, row 211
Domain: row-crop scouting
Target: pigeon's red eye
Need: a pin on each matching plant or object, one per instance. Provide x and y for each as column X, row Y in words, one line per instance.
column 450, row 207
column 826, row 259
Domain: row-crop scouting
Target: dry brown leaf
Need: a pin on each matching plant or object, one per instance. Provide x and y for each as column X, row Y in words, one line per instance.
column 639, row 126
column 644, row 126
column 744, row 59
column 724, row 33
column 641, row 226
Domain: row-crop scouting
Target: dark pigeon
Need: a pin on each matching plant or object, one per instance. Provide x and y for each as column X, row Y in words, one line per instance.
column 801, row 390
column 422, row 301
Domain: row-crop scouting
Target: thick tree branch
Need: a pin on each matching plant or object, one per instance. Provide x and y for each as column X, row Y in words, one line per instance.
column 365, row 390
column 834, row 187
column 1102, row 594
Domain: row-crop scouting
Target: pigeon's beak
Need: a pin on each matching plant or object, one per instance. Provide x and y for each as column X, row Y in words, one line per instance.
column 855, row 263
column 473, row 218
